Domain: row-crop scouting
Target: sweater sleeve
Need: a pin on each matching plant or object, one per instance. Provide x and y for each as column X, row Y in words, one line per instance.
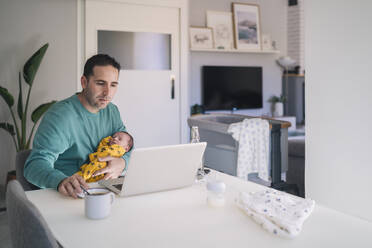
column 50, row 140
column 119, row 127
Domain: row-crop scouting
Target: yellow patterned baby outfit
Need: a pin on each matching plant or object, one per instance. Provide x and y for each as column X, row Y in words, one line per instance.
column 104, row 150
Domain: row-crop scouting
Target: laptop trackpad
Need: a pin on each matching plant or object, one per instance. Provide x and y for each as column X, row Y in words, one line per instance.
column 118, row 186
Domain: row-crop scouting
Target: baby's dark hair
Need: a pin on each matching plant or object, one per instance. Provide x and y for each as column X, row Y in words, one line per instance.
column 131, row 141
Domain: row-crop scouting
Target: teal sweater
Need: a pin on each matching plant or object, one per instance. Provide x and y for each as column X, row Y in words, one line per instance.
column 67, row 134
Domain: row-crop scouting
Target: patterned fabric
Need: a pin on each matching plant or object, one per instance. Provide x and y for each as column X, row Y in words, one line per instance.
column 104, row 150
column 253, row 154
column 279, row 213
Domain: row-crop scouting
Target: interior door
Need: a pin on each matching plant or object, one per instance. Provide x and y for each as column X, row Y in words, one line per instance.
column 145, row 40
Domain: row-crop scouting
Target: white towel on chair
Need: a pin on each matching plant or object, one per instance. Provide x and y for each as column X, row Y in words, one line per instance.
column 253, row 155
column 279, row 213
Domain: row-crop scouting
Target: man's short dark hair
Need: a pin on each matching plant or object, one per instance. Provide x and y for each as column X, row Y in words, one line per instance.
column 100, row 60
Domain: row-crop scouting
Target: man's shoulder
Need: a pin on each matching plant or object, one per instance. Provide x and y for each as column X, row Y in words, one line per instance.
column 59, row 117
column 112, row 106
column 63, row 108
column 112, row 109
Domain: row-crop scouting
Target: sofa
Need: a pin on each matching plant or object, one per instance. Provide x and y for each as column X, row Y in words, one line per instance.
column 296, row 163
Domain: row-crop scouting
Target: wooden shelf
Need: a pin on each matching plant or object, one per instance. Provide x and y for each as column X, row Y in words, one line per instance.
column 234, row 51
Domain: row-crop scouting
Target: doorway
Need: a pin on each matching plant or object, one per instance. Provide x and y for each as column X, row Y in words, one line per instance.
column 146, row 41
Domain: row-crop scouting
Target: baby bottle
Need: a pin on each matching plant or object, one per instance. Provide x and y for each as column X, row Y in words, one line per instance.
column 215, row 193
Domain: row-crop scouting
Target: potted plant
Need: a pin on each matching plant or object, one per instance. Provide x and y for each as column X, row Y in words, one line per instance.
column 197, row 109
column 277, row 106
column 17, row 129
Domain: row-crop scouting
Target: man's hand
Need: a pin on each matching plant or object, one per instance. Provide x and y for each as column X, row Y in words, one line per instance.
column 114, row 168
column 71, row 186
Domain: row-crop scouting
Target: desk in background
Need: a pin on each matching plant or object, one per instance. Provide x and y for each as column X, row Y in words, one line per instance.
column 181, row 218
column 290, row 119
column 222, row 150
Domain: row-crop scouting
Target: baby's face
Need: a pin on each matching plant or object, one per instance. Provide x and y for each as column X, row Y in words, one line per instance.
column 121, row 139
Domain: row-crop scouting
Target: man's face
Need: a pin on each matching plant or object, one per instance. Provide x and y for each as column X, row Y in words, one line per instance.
column 100, row 88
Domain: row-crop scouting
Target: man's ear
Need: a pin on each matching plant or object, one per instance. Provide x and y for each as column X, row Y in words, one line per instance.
column 84, row 82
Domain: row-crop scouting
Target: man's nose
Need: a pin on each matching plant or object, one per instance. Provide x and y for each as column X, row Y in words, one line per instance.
column 106, row 90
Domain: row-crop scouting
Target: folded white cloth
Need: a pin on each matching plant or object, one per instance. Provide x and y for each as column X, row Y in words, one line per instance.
column 279, row 213
column 253, row 154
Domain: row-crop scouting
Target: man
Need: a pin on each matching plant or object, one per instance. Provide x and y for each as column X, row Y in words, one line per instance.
column 72, row 128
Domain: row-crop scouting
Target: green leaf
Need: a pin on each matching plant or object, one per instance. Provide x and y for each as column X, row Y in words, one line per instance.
column 8, row 127
column 39, row 111
column 20, row 98
column 8, row 98
column 282, row 98
column 32, row 64
column 273, row 99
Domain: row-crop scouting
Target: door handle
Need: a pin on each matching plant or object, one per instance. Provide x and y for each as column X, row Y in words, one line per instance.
column 172, row 87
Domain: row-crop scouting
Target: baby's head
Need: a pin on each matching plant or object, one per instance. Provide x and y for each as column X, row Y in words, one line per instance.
column 123, row 139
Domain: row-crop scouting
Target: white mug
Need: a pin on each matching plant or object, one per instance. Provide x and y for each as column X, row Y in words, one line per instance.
column 98, row 203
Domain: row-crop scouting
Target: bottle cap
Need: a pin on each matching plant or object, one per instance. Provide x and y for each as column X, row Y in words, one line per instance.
column 216, row 186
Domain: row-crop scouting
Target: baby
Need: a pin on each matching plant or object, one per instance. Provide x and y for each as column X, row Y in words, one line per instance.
column 115, row 146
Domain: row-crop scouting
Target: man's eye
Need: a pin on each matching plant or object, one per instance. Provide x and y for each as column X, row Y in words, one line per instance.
column 100, row 83
column 114, row 85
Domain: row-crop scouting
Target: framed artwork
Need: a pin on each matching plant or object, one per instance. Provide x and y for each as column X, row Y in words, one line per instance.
column 201, row 37
column 266, row 42
column 221, row 23
column 247, row 27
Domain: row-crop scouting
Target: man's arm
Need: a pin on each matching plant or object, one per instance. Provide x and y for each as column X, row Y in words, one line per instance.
column 114, row 168
column 40, row 172
column 49, row 141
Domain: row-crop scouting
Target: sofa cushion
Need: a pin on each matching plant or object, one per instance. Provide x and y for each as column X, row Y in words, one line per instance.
column 296, row 147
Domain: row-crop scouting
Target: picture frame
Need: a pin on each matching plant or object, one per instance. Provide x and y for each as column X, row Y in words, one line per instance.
column 247, row 26
column 221, row 23
column 201, row 37
column 266, row 42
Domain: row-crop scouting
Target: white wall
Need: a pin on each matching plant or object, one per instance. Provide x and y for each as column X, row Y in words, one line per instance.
column 25, row 25
column 273, row 22
column 338, row 104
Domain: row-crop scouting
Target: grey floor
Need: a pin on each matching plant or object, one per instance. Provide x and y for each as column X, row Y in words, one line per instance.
column 4, row 229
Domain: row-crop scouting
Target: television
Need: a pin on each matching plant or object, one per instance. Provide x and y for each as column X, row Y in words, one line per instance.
column 231, row 87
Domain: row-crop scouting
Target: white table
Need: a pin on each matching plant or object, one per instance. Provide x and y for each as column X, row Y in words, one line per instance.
column 181, row 218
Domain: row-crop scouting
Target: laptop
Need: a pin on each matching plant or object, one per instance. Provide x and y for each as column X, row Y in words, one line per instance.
column 161, row 168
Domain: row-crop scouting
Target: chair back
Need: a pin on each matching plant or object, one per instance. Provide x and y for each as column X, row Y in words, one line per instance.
column 27, row 227
column 21, row 158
